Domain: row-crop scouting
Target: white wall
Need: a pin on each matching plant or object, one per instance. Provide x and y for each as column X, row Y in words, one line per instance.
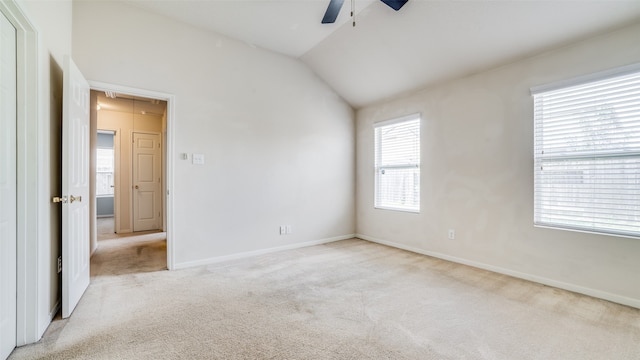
column 477, row 176
column 278, row 142
column 52, row 20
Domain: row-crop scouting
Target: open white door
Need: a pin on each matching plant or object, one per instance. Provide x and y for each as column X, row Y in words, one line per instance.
column 75, row 187
column 7, row 187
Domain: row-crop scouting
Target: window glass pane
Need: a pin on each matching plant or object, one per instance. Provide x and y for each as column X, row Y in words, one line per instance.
column 104, row 172
column 399, row 188
column 397, row 165
column 591, row 193
column 587, row 156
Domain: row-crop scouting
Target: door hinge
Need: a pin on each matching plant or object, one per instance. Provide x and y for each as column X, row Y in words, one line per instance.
column 59, row 264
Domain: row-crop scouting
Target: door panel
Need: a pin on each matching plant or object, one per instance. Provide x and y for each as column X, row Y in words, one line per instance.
column 147, row 173
column 145, row 205
column 145, row 168
column 7, row 187
column 75, row 187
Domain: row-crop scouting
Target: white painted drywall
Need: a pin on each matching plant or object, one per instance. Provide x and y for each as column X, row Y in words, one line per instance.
column 477, row 176
column 278, row 142
column 53, row 23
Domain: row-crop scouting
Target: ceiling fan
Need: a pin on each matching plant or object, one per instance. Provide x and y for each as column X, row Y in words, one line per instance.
column 335, row 5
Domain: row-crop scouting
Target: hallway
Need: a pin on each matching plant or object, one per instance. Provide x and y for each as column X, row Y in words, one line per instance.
column 119, row 254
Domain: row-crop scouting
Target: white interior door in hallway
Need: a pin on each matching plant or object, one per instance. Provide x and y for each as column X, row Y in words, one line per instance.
column 75, row 187
column 8, row 174
column 147, row 176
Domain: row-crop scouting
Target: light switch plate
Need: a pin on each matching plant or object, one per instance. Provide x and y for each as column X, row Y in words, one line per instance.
column 198, row 159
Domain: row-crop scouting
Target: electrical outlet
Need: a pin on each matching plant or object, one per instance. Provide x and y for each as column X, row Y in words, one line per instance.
column 452, row 234
column 283, row 229
column 59, row 264
column 288, row 229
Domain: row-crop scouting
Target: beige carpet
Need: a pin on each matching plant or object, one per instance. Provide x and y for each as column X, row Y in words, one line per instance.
column 345, row 300
column 106, row 228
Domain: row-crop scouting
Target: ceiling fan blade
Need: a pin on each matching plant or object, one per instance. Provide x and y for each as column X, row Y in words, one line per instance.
column 395, row 4
column 332, row 11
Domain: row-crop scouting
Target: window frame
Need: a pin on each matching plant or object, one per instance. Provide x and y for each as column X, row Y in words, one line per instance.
column 594, row 155
column 379, row 203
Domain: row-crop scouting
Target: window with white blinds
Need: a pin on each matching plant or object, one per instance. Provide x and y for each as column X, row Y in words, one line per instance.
column 397, row 164
column 587, row 155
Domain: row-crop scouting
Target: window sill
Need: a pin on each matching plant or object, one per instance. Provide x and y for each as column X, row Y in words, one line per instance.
column 397, row 209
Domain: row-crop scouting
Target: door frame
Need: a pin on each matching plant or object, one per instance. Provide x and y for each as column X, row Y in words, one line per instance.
column 116, row 181
column 116, row 170
column 8, row 207
column 168, row 148
column 117, row 133
column 30, row 194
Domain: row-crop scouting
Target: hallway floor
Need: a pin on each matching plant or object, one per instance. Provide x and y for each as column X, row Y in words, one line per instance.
column 119, row 254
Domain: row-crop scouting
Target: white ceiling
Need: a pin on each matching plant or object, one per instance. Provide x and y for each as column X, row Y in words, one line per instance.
column 389, row 53
column 130, row 104
column 289, row 27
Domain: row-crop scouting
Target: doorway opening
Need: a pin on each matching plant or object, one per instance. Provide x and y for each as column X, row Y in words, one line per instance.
column 105, row 185
column 129, row 129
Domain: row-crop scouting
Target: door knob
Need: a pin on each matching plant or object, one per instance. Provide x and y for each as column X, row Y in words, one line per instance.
column 74, row 198
column 137, row 187
column 59, row 199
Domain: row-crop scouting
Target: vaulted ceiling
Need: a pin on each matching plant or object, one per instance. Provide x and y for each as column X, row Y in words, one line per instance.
column 389, row 53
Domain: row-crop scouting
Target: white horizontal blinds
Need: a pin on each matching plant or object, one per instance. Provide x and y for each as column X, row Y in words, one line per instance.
column 397, row 164
column 587, row 156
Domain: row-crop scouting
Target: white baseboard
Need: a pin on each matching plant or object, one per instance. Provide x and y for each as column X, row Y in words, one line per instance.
column 542, row 280
column 242, row 255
